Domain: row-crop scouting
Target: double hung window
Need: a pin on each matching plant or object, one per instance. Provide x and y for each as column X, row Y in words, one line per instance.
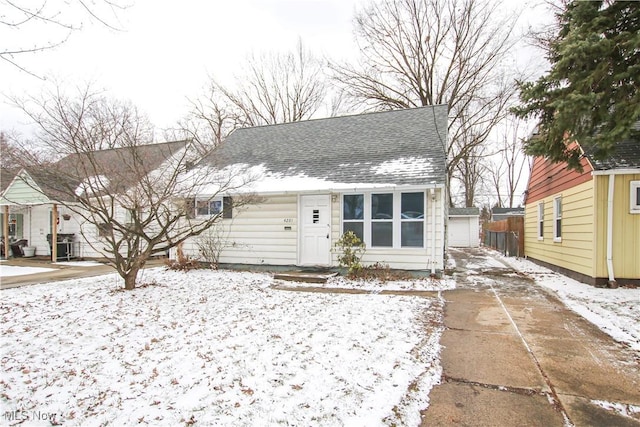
column 208, row 207
column 353, row 214
column 557, row 219
column 541, row 221
column 382, row 220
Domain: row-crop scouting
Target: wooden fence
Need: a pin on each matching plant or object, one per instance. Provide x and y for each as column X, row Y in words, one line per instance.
column 506, row 236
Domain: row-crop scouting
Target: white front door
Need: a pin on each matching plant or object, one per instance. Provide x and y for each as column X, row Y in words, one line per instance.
column 315, row 230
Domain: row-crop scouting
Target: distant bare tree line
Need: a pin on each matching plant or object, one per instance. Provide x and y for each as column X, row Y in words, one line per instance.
column 412, row 53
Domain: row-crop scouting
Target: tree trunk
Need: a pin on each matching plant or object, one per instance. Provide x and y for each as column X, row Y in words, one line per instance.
column 130, row 278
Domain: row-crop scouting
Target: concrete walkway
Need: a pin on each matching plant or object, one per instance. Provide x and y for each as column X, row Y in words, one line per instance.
column 61, row 272
column 514, row 355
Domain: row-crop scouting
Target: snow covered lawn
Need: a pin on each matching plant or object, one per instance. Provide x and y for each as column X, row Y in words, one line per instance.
column 214, row 348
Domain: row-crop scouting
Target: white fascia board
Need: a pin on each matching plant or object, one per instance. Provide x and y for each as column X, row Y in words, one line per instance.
column 626, row 171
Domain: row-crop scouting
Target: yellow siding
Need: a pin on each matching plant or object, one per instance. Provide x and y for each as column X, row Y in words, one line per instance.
column 626, row 228
column 576, row 250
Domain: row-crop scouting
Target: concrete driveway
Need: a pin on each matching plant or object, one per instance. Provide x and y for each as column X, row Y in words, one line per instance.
column 514, row 355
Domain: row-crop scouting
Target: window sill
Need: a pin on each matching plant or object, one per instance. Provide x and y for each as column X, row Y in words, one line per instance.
column 557, row 240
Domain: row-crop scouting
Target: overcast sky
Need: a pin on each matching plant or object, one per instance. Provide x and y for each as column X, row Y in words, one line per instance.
column 166, row 49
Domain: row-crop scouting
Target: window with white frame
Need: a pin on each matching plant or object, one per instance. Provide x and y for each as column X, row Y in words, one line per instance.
column 386, row 220
column 541, row 221
column 382, row 220
column 353, row 214
column 412, row 220
column 635, row 197
column 208, row 207
column 557, row 219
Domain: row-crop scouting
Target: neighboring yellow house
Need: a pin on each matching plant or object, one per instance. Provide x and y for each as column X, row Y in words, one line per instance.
column 587, row 224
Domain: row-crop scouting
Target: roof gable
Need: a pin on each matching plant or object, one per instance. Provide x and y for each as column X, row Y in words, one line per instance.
column 400, row 147
column 112, row 171
column 23, row 189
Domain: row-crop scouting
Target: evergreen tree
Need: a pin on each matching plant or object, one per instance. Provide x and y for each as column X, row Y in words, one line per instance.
column 591, row 93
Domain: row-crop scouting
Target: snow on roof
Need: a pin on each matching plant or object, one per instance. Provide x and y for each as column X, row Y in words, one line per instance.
column 243, row 179
column 400, row 147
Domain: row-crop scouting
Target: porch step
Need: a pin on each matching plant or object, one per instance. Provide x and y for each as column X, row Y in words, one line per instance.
column 305, row 276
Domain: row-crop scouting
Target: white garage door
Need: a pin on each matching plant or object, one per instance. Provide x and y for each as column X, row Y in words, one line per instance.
column 460, row 232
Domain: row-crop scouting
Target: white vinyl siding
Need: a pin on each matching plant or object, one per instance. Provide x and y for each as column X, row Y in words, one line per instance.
column 267, row 233
column 262, row 234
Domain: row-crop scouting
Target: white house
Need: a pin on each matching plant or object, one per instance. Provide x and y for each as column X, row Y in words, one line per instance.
column 35, row 209
column 381, row 175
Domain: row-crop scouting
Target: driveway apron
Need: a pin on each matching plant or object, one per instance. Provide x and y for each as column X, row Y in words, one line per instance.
column 514, row 355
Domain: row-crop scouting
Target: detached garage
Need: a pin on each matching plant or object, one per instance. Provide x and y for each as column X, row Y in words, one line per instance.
column 464, row 227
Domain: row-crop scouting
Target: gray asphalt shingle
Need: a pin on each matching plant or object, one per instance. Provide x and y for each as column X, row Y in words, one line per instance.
column 391, row 147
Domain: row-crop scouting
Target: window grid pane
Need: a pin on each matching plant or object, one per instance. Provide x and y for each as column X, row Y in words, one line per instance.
column 356, row 226
column 382, row 234
column 412, row 205
column 412, row 234
column 353, row 207
column 382, row 206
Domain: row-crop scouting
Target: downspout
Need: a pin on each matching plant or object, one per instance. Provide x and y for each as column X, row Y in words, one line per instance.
column 612, row 279
column 433, row 231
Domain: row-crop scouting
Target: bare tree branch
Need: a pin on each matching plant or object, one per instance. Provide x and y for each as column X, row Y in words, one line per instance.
column 34, row 20
column 426, row 52
column 134, row 198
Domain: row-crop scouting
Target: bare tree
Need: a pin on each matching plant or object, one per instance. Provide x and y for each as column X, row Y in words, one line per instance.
column 139, row 197
column 84, row 122
column 472, row 169
column 19, row 21
column 509, row 165
column 209, row 122
column 273, row 88
column 427, row 52
column 276, row 88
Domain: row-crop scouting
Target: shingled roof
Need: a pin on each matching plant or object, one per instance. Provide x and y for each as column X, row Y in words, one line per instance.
column 400, row 147
column 626, row 154
column 120, row 168
column 464, row 211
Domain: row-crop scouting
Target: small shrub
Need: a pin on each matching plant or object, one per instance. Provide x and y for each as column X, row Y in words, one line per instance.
column 383, row 273
column 184, row 265
column 183, row 262
column 351, row 250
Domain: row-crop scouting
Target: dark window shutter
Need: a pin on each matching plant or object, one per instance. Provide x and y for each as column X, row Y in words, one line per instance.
column 227, row 207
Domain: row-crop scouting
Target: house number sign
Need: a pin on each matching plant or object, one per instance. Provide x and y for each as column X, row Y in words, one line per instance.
column 288, row 220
